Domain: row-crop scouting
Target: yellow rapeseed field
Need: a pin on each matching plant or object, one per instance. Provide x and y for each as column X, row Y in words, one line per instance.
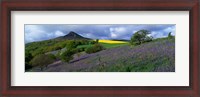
column 111, row 41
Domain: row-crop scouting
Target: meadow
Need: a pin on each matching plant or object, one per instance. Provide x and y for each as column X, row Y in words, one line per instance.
column 155, row 56
column 75, row 53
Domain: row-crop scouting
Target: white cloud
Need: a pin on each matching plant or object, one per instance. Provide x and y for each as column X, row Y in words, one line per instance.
column 117, row 32
column 59, row 33
column 38, row 33
column 113, row 35
column 34, row 33
column 157, row 34
column 89, row 35
column 44, row 32
column 170, row 29
column 164, row 32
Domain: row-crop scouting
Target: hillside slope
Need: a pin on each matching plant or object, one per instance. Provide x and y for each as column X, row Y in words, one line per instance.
column 70, row 36
column 55, row 44
column 156, row 56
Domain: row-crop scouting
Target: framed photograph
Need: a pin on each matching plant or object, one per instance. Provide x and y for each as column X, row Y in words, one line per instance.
column 108, row 48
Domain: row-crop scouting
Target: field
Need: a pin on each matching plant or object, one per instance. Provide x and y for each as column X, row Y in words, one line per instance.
column 119, row 56
column 112, row 41
column 108, row 44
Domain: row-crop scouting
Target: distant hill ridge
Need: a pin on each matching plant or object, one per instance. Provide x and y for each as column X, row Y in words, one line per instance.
column 72, row 35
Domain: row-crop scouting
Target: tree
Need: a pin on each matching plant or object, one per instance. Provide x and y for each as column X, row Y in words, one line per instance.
column 71, row 45
column 170, row 35
column 28, row 58
column 67, row 55
column 95, row 48
column 97, row 40
column 38, row 52
column 140, row 36
column 92, row 42
column 52, row 56
column 42, row 60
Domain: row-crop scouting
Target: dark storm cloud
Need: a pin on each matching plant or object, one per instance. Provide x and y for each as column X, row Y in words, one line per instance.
column 109, row 31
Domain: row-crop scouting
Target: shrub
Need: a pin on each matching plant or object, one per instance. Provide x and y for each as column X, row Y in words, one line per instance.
column 84, row 42
column 82, row 49
column 42, row 60
column 95, row 48
column 27, row 66
column 67, row 55
column 52, row 56
column 71, row 45
column 79, row 49
column 170, row 35
column 28, row 58
column 92, row 42
column 58, row 54
column 38, row 52
column 97, row 40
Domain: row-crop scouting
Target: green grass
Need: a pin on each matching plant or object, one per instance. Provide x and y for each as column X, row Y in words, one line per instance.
column 108, row 45
column 141, row 66
column 84, row 46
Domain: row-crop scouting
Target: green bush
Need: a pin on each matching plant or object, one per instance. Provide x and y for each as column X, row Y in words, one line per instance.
column 28, row 58
column 97, row 40
column 72, row 44
column 67, row 55
column 28, row 66
column 58, row 54
column 95, row 48
column 52, row 56
column 38, row 52
column 80, row 49
column 170, row 35
column 92, row 42
column 42, row 60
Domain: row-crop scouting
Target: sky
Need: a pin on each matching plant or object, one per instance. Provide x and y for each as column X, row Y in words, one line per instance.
column 41, row 32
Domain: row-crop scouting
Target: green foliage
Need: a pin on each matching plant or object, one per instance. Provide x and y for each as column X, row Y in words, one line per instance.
column 67, row 55
column 170, row 35
column 52, row 56
column 58, row 54
column 77, row 50
column 84, row 42
column 92, row 42
column 128, row 69
column 71, row 50
column 28, row 58
column 38, row 52
column 42, row 60
column 84, row 46
column 97, row 40
column 71, row 45
column 42, row 47
column 172, row 39
column 95, row 48
column 140, row 37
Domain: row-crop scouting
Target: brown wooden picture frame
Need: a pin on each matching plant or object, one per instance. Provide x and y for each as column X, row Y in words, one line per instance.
column 193, row 90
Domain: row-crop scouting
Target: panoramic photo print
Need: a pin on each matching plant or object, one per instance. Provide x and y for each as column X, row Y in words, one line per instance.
column 99, row 47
